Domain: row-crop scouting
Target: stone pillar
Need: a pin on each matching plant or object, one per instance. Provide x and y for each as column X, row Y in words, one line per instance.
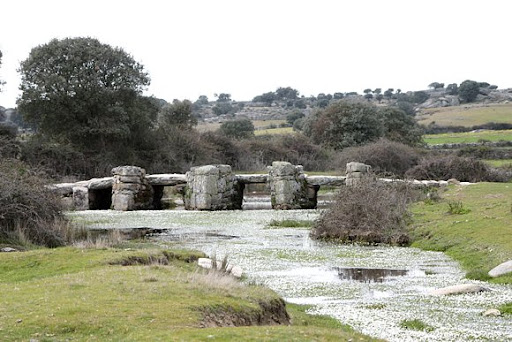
column 289, row 188
column 356, row 171
column 212, row 187
column 80, row 198
column 130, row 189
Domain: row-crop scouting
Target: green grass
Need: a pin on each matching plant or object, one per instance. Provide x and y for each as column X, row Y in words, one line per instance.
column 86, row 295
column 498, row 162
column 467, row 115
column 290, row 224
column 479, row 239
column 416, row 324
column 468, row 137
column 274, row 131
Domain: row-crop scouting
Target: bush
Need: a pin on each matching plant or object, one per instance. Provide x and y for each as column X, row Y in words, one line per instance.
column 238, row 129
column 387, row 158
column 462, row 169
column 371, row 212
column 29, row 212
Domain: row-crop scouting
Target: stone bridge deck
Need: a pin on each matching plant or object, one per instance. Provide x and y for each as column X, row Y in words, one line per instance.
column 209, row 187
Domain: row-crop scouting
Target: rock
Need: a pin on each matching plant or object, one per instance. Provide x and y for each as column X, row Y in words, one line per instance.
column 492, row 313
column 326, row 180
column 167, row 179
column 204, row 263
column 357, row 167
column 236, row 271
column 100, row 183
column 459, row 289
column 80, row 198
column 453, row 181
column 252, row 178
column 8, row 250
column 501, row 269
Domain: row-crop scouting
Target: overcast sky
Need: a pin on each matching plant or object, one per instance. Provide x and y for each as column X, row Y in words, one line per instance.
column 245, row 48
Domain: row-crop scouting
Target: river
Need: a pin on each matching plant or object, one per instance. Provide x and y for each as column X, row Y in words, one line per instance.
column 372, row 289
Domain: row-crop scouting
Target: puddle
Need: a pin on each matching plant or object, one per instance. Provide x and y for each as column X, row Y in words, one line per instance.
column 368, row 275
column 376, row 289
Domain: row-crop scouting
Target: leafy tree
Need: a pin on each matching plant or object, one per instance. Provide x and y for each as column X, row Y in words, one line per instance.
column 483, row 84
column 493, row 87
column 367, row 91
column 267, row 98
column 379, row 97
column 407, row 107
column 344, row 123
column 202, row 100
column 299, row 104
column 239, row 129
column 178, row 114
column 287, row 93
column 221, row 108
column 436, row 85
column 452, row 89
column 420, row 97
column 399, row 126
column 468, row 90
column 368, row 96
column 377, row 91
column 388, row 93
column 294, row 116
column 223, row 97
column 81, row 91
column 337, row 96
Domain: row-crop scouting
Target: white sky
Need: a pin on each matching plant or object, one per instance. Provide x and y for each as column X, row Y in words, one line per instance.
column 247, row 47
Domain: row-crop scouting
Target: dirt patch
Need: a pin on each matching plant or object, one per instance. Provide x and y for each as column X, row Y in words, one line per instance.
column 272, row 312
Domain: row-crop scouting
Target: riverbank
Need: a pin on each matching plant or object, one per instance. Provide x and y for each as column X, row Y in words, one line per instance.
column 478, row 231
column 138, row 292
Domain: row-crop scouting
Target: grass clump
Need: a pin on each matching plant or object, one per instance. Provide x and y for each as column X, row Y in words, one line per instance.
column 506, row 308
column 416, row 324
column 290, row 224
column 457, row 208
column 368, row 212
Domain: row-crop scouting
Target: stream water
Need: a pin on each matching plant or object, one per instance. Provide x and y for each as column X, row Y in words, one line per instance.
column 372, row 289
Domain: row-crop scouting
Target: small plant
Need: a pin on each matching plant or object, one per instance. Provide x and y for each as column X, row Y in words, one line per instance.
column 457, row 208
column 506, row 308
column 377, row 306
column 291, row 223
column 416, row 324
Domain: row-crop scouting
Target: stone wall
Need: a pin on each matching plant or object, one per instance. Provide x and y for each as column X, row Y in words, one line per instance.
column 212, row 187
column 130, row 189
column 289, row 188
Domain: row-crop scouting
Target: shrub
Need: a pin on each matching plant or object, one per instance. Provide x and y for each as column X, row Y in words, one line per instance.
column 239, row 129
column 462, row 169
column 385, row 157
column 29, row 212
column 371, row 212
column 416, row 324
column 457, row 208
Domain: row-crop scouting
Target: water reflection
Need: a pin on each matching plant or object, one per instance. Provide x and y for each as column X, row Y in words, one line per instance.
column 368, row 275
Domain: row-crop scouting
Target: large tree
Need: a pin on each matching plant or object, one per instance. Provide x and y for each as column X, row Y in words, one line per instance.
column 468, row 90
column 345, row 123
column 81, row 91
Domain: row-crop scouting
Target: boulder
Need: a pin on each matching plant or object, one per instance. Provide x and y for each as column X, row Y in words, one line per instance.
column 491, row 313
column 501, row 269
column 8, row 250
column 357, row 167
column 459, row 289
column 235, row 271
column 80, row 198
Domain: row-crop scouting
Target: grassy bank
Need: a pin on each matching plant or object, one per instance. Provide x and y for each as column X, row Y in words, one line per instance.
column 480, row 237
column 468, row 137
column 138, row 295
column 466, row 115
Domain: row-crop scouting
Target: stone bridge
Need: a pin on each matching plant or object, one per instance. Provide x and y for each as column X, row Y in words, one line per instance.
column 209, row 187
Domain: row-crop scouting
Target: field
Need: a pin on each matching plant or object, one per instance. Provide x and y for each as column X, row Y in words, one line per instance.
column 479, row 237
column 499, row 162
column 130, row 294
column 468, row 137
column 259, row 126
column 466, row 115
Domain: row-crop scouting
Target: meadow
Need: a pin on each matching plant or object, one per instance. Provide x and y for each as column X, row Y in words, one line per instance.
column 467, row 115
